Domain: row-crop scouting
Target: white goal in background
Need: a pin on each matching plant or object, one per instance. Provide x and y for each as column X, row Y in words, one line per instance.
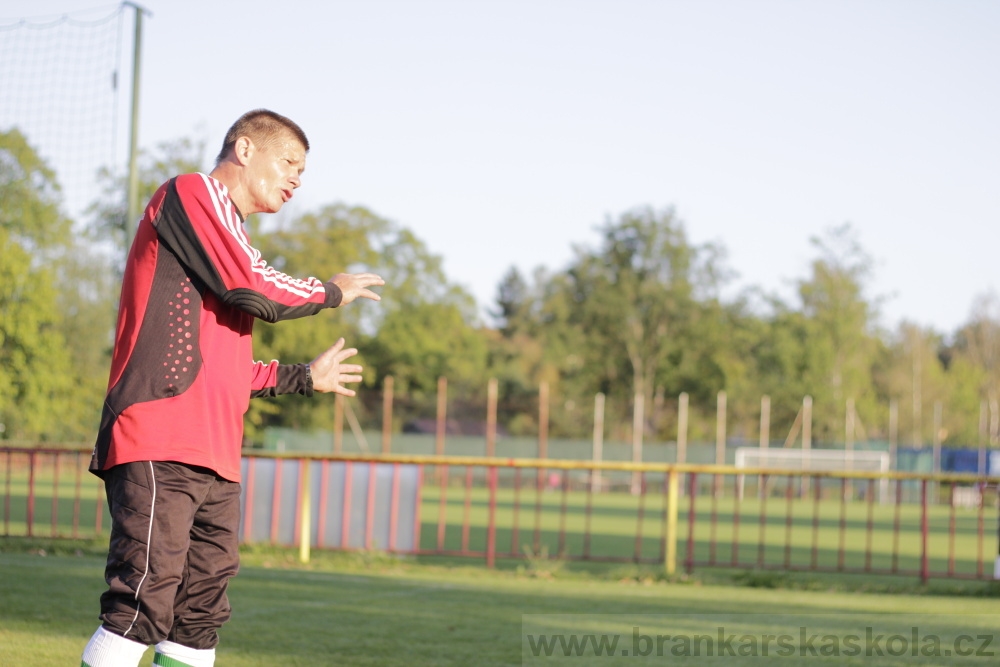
column 814, row 460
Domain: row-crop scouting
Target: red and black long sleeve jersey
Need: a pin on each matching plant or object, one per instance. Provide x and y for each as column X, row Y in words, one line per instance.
column 182, row 371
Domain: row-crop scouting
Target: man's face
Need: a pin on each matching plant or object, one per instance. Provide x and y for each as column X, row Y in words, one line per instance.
column 273, row 173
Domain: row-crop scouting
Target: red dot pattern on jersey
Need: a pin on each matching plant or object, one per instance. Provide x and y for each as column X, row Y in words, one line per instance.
column 177, row 312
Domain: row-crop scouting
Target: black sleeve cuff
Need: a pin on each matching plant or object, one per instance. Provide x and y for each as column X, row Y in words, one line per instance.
column 333, row 295
column 292, row 379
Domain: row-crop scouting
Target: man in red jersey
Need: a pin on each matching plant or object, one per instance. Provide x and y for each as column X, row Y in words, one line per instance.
column 182, row 375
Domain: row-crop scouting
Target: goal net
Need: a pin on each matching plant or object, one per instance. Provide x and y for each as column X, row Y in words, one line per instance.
column 59, row 82
column 814, row 460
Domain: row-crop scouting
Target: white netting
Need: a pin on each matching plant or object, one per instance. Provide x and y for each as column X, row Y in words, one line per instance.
column 814, row 460
column 59, row 81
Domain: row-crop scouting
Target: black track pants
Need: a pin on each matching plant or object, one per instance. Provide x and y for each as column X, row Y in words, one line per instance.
column 174, row 547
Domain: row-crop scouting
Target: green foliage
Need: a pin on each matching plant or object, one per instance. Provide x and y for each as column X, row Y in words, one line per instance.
column 86, row 298
column 641, row 313
column 34, row 362
column 421, row 329
column 31, row 196
column 625, row 318
column 975, row 355
column 33, row 356
column 839, row 325
column 108, row 224
column 418, row 343
column 511, row 302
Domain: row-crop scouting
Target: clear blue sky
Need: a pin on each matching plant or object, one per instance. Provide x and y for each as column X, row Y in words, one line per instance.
column 503, row 131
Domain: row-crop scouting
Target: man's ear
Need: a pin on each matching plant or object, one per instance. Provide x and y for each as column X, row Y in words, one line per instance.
column 244, row 150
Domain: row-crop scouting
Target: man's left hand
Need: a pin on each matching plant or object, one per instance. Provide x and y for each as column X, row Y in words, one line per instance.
column 329, row 372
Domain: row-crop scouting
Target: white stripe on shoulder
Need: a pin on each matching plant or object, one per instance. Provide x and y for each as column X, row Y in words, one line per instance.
column 226, row 214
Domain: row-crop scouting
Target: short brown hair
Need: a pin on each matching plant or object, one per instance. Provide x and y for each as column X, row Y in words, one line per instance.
column 262, row 126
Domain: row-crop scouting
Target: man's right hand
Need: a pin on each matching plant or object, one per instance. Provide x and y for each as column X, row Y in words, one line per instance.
column 354, row 285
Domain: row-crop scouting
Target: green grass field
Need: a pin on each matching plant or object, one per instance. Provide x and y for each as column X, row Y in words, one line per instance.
column 366, row 608
column 372, row 609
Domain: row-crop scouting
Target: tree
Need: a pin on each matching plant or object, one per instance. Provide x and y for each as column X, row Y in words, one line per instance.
column 528, row 348
column 512, row 303
column 624, row 310
column 108, row 213
column 31, row 198
column 980, row 340
column 976, row 355
column 422, row 327
column 840, row 324
column 86, row 296
column 779, row 354
column 34, row 364
column 420, row 342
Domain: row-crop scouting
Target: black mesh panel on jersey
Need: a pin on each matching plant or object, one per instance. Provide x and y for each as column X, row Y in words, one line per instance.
column 166, row 358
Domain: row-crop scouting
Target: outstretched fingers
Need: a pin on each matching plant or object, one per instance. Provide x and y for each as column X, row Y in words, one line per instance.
column 329, row 373
column 355, row 285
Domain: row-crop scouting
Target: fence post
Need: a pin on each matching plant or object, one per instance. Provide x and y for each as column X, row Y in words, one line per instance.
column 491, row 417
column 983, row 426
column 765, row 437
column 936, row 450
column 670, row 562
column 387, row 389
column 491, row 527
column 595, row 475
column 442, row 415
column 543, row 420
column 720, row 441
column 338, row 423
column 682, row 427
column 692, row 493
column 305, row 505
column 917, row 401
column 893, row 432
column 765, row 421
column 807, row 411
column 924, row 529
column 849, row 428
column 807, row 415
column 638, row 420
column 441, row 423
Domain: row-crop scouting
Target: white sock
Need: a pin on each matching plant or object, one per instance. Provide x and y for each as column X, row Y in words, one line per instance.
column 170, row 654
column 106, row 649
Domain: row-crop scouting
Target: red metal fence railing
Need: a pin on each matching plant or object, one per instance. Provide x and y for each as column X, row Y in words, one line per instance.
column 678, row 516
column 49, row 493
